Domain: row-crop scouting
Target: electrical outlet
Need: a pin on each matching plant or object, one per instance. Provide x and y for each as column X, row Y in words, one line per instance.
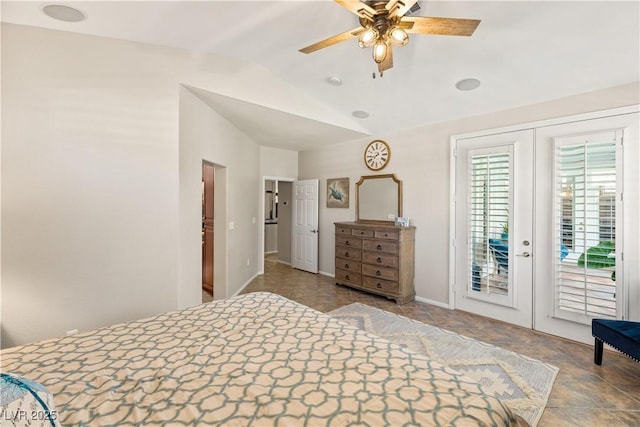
column 231, row 225
column 248, row 261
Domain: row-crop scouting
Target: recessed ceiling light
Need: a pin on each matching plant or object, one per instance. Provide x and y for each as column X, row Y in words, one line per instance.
column 360, row 114
column 468, row 84
column 63, row 13
column 335, row 81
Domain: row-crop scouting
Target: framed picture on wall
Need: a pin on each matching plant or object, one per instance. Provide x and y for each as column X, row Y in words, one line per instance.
column 338, row 193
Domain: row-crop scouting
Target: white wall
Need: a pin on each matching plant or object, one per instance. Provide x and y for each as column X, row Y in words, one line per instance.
column 276, row 162
column 204, row 134
column 101, row 155
column 420, row 158
column 89, row 182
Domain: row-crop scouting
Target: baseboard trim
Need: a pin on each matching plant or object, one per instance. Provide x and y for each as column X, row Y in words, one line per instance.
column 433, row 302
column 245, row 285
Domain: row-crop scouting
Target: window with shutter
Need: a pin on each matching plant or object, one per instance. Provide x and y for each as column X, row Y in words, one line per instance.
column 585, row 206
column 490, row 179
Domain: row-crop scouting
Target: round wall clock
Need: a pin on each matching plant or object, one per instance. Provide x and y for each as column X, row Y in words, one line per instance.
column 377, row 155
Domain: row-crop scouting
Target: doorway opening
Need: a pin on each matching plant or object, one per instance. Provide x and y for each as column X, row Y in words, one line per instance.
column 208, row 179
column 276, row 221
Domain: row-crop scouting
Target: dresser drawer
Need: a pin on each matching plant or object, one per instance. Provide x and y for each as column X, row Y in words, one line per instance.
column 381, row 285
column 379, row 272
column 353, row 242
column 381, row 259
column 362, row 233
column 348, row 265
column 380, row 246
column 343, row 231
column 353, row 254
column 347, row 276
column 387, row 234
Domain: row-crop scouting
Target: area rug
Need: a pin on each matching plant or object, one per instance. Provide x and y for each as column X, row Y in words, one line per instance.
column 522, row 383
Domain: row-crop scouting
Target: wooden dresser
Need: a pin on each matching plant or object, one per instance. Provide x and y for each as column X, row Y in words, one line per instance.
column 376, row 258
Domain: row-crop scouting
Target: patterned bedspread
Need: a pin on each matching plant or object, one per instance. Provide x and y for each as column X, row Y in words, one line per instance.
column 256, row 359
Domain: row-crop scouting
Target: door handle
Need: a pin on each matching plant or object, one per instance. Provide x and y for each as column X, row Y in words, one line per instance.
column 524, row 254
column 315, row 231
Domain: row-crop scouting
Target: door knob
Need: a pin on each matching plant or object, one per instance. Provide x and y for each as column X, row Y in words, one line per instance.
column 315, row 231
column 524, row 254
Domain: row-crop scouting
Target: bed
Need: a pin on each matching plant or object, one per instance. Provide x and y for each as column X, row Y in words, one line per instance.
column 255, row 359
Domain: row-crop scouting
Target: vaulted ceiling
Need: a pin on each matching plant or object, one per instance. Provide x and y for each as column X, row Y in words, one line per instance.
column 523, row 52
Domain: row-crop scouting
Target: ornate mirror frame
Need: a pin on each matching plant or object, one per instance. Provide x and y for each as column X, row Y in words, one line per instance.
column 377, row 197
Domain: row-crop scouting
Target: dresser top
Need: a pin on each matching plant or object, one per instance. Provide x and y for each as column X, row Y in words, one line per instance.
column 373, row 225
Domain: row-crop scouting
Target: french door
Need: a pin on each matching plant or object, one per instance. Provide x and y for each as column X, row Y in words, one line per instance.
column 493, row 237
column 582, row 169
column 540, row 222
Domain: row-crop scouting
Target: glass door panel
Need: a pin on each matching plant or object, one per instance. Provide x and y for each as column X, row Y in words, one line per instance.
column 489, row 205
column 585, row 212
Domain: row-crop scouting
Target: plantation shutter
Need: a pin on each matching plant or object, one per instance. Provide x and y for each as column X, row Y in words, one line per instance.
column 488, row 222
column 585, row 221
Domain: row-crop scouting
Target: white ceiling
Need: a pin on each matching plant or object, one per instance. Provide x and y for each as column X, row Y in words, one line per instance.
column 522, row 52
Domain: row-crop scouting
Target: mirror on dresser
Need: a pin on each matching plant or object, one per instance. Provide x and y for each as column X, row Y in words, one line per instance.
column 378, row 198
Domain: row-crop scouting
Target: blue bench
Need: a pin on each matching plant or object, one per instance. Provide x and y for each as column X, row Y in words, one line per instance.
column 623, row 335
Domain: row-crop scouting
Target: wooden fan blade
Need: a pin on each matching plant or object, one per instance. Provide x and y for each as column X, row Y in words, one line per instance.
column 356, row 6
column 440, row 26
column 333, row 40
column 391, row 6
column 388, row 60
column 399, row 7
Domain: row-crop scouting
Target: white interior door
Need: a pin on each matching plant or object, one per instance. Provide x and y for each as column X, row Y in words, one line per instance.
column 493, row 226
column 304, row 243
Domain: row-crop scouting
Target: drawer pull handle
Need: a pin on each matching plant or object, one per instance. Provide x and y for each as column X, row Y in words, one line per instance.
column 378, row 273
column 346, row 266
column 346, row 254
column 347, row 277
column 379, row 285
column 347, row 243
column 379, row 247
column 362, row 232
column 386, row 235
column 379, row 260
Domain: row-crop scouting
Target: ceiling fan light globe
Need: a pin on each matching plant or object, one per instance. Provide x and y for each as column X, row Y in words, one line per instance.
column 398, row 36
column 367, row 38
column 379, row 51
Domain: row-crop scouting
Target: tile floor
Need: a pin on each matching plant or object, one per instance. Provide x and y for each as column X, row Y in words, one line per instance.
column 584, row 394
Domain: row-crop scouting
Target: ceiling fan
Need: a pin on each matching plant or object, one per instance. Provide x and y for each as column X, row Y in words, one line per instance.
column 383, row 24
